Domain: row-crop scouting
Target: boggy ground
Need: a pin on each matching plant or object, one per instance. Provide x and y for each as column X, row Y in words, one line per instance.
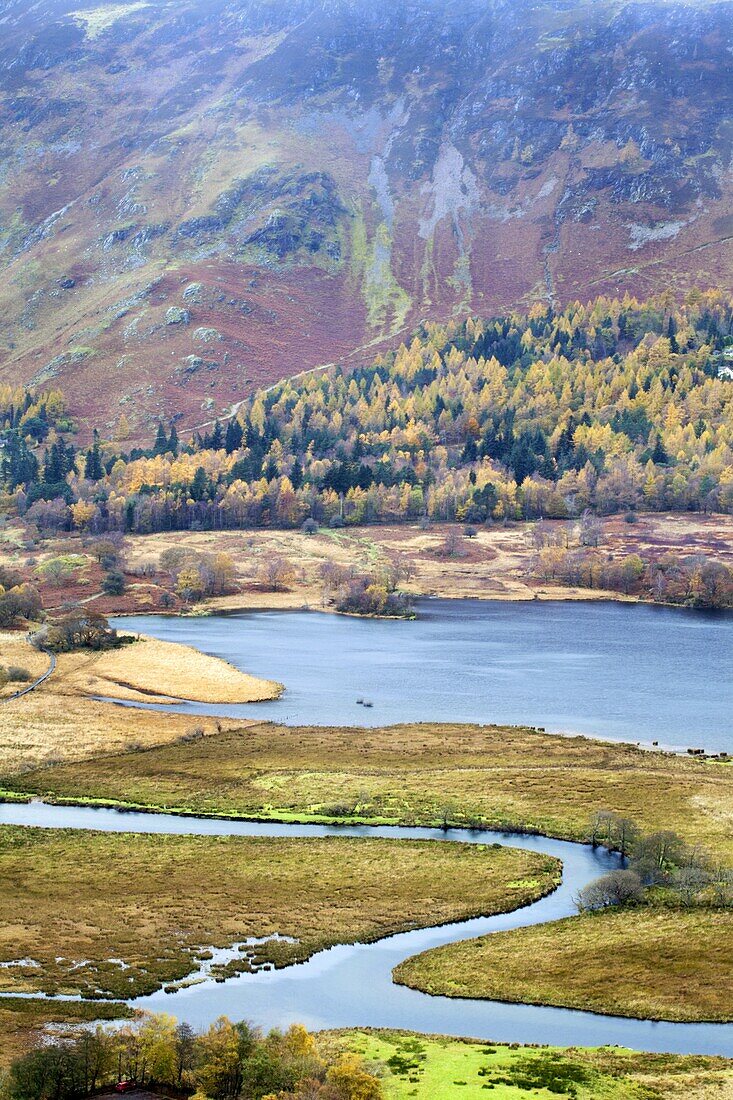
column 493, row 776
column 122, row 914
column 24, row 1023
column 425, row 1067
column 667, row 964
column 649, row 962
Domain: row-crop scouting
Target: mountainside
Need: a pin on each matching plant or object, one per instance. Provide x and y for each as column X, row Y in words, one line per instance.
column 199, row 198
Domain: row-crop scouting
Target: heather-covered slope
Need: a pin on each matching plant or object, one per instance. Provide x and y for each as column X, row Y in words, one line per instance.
column 200, row 198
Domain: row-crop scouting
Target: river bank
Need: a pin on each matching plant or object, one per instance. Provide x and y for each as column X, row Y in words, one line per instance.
column 351, row 985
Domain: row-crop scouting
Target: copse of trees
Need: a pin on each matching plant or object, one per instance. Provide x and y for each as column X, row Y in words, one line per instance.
column 370, row 595
column 572, row 554
column 196, row 575
column 78, row 630
column 612, row 405
column 659, row 868
column 225, row 1062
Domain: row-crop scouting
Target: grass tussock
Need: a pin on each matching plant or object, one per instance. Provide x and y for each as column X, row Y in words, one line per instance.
column 124, row 914
column 649, row 962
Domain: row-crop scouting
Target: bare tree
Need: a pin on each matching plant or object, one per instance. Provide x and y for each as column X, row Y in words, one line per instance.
column 689, row 882
column 615, row 888
column 591, row 529
column 398, row 567
column 451, row 546
column 276, row 572
column 599, row 831
column 623, row 834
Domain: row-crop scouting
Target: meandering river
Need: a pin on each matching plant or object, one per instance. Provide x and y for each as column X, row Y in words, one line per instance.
column 631, row 672
column 622, row 671
column 351, row 985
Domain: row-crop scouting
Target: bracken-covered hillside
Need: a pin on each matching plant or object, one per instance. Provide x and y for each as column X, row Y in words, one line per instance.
column 198, row 199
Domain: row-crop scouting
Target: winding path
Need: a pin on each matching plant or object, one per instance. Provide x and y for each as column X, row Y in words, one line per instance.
column 36, row 683
column 351, row 985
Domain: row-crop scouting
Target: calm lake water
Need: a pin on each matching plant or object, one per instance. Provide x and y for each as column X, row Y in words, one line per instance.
column 621, row 671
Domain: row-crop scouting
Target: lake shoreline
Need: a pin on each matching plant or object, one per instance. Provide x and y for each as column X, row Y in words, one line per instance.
column 565, row 666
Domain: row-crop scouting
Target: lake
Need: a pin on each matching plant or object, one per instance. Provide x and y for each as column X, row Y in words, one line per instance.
column 620, row 671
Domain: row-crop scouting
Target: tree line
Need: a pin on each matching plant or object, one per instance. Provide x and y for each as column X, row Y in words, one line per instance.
column 573, row 555
column 227, row 1061
column 611, row 405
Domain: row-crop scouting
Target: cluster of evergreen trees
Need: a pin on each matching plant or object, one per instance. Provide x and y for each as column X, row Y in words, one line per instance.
column 612, row 405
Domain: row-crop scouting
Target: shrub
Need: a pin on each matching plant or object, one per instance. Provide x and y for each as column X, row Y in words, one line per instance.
column 18, row 675
column 113, row 583
column 615, row 888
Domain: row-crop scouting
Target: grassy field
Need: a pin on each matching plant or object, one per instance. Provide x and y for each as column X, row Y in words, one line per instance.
column 653, row 963
column 125, row 913
column 150, row 669
column 23, row 1023
column 412, row 774
column 59, row 720
column 426, row 1067
column 423, row 1067
column 47, row 726
column 14, row 650
column 496, row 564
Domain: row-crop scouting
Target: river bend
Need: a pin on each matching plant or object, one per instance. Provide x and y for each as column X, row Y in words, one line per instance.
column 351, row 985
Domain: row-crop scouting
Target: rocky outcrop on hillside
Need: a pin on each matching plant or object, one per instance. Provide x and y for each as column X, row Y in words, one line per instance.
column 309, row 179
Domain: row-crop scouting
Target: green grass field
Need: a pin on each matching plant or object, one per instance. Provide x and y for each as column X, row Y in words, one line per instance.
column 421, row 1067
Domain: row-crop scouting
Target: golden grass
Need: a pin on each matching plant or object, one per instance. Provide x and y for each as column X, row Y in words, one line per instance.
column 58, row 722
column 422, row 773
column 149, row 670
column 73, row 902
column 14, row 650
column 45, row 727
column 652, row 963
